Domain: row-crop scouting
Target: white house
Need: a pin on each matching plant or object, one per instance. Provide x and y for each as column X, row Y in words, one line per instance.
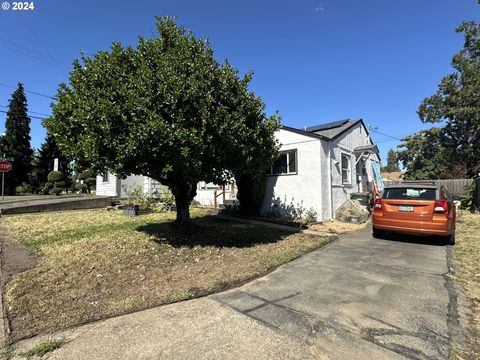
column 318, row 168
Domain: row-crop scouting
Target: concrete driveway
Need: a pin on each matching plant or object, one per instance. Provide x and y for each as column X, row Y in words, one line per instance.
column 357, row 298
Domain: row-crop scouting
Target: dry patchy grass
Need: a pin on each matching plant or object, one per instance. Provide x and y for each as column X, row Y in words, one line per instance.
column 337, row 227
column 96, row 264
column 467, row 264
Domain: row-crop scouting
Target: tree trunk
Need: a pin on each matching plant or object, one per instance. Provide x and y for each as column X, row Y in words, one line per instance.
column 184, row 194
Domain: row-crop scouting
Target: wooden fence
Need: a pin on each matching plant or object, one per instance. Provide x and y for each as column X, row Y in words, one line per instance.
column 454, row 186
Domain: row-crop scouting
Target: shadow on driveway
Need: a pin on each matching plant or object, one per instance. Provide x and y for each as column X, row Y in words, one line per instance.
column 414, row 239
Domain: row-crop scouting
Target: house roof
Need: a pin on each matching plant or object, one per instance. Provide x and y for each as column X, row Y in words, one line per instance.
column 333, row 130
column 329, row 131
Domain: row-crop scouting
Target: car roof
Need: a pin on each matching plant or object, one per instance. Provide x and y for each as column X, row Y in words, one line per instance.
column 413, row 185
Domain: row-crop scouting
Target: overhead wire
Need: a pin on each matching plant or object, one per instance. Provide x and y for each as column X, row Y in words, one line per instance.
column 29, row 91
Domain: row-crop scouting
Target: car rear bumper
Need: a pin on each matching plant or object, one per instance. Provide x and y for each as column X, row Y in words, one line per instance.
column 435, row 227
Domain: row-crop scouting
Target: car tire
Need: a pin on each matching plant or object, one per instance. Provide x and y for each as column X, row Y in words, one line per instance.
column 451, row 239
column 378, row 234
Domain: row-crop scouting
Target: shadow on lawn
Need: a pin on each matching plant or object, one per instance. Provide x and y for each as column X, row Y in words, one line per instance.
column 211, row 231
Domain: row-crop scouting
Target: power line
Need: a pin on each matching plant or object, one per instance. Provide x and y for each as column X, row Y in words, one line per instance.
column 24, row 51
column 39, row 42
column 33, row 112
column 30, row 116
column 29, row 91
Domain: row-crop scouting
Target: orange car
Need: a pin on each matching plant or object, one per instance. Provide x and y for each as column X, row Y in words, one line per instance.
column 415, row 208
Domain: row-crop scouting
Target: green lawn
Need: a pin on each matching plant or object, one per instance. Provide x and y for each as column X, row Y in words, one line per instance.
column 96, row 264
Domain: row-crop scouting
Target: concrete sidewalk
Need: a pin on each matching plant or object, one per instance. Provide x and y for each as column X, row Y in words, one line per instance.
column 357, row 298
column 195, row 329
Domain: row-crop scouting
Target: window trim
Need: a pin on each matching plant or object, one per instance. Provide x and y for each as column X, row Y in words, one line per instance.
column 270, row 170
column 349, row 169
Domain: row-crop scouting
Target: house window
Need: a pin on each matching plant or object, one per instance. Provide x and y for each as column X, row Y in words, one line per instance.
column 346, row 172
column 285, row 164
column 105, row 176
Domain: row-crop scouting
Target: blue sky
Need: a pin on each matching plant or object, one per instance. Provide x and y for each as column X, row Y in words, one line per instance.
column 314, row 61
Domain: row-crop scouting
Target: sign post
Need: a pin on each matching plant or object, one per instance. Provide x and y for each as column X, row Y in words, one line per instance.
column 5, row 166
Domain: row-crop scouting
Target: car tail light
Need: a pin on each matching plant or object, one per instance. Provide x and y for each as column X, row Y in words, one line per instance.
column 440, row 207
column 378, row 206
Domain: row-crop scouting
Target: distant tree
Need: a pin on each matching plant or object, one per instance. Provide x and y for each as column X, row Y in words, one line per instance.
column 456, row 104
column 164, row 109
column 424, row 157
column 44, row 161
column 16, row 141
column 392, row 162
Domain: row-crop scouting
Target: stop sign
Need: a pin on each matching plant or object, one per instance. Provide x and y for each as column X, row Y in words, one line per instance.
column 5, row 166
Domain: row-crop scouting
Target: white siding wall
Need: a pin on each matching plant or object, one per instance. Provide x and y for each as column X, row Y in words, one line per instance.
column 109, row 188
column 301, row 190
column 129, row 182
column 346, row 143
column 114, row 185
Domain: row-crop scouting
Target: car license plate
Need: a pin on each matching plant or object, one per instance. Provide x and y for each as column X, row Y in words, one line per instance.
column 407, row 208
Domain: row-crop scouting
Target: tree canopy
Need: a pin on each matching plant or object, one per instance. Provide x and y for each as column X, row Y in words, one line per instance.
column 16, row 141
column 456, row 105
column 165, row 109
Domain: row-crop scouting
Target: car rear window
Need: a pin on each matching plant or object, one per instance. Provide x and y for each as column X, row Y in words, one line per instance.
column 410, row 194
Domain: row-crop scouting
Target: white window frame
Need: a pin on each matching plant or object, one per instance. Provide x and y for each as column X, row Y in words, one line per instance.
column 211, row 186
column 348, row 169
column 287, row 152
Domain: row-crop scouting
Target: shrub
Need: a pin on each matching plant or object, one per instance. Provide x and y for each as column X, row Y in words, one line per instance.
column 310, row 216
column 80, row 187
column 55, row 176
column 60, row 184
column 86, row 174
column 56, row 191
column 467, row 198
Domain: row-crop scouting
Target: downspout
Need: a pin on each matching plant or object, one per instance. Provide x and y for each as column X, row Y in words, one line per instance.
column 330, row 187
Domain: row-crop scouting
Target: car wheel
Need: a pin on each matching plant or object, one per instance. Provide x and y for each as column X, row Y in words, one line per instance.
column 378, row 234
column 451, row 239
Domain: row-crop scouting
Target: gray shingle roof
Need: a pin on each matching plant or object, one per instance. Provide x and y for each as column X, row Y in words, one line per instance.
column 333, row 129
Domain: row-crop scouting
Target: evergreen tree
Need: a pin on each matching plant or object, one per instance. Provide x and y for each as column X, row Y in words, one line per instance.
column 392, row 162
column 16, row 142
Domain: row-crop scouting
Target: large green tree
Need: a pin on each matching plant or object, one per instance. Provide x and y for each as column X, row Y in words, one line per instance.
column 165, row 109
column 424, row 157
column 456, row 104
column 16, row 141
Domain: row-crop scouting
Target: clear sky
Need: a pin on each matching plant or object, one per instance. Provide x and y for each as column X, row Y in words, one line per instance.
column 314, row 61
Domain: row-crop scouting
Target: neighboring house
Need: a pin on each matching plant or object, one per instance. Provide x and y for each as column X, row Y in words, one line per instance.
column 110, row 185
column 318, row 168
